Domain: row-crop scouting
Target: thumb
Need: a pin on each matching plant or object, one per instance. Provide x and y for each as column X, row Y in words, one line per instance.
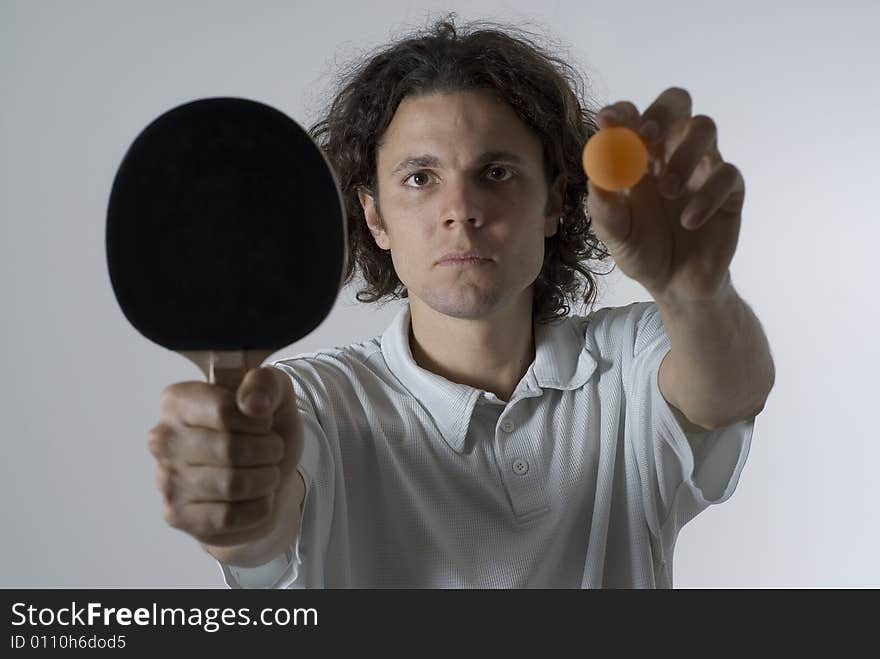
column 260, row 392
column 267, row 392
column 278, row 388
column 610, row 214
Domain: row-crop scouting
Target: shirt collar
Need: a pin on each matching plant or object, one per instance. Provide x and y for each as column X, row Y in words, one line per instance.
column 562, row 361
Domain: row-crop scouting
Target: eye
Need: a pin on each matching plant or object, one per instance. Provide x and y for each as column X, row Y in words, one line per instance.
column 503, row 169
column 414, row 174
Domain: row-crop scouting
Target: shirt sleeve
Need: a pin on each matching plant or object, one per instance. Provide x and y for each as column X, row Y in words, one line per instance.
column 279, row 573
column 301, row 566
column 681, row 473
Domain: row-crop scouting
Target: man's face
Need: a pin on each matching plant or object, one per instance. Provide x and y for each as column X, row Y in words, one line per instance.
column 464, row 200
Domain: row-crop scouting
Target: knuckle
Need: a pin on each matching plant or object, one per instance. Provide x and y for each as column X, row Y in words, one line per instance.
column 158, row 440
column 168, row 396
column 165, row 483
column 732, row 170
column 233, row 485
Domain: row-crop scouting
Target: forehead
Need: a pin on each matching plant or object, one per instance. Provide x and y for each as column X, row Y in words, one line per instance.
column 439, row 117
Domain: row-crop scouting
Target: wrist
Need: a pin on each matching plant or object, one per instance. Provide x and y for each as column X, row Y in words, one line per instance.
column 721, row 299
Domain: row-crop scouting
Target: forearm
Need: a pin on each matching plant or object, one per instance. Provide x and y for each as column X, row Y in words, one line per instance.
column 720, row 358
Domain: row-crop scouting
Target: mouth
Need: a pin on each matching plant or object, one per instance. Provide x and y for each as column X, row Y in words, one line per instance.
column 464, row 258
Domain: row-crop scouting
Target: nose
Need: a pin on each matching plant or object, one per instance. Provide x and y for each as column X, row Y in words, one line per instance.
column 460, row 205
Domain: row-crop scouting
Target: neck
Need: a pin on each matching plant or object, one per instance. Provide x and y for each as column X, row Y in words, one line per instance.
column 491, row 353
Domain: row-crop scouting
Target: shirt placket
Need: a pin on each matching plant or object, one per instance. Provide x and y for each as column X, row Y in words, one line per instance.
column 521, row 468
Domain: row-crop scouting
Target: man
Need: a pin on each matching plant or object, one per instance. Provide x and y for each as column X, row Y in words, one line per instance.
column 486, row 439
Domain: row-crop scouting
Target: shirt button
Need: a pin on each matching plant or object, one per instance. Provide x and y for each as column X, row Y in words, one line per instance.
column 507, row 425
column 520, row 467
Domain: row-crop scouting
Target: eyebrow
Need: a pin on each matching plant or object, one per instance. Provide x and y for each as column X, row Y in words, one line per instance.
column 430, row 160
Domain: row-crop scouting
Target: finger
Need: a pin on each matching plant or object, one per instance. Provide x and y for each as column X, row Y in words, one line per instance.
column 204, row 405
column 218, row 484
column 627, row 115
column 209, row 520
column 610, row 215
column 723, row 190
column 160, row 443
column 622, row 113
column 215, row 484
column 280, row 502
column 699, row 141
column 203, row 447
column 671, row 107
column 236, row 537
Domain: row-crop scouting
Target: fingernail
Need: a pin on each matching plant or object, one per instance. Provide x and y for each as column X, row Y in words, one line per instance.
column 689, row 219
column 649, row 130
column 610, row 115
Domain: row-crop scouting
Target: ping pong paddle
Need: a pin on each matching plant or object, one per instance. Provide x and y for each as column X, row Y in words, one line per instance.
column 226, row 235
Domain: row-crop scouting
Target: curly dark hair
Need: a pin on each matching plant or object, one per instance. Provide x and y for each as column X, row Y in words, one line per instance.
column 542, row 89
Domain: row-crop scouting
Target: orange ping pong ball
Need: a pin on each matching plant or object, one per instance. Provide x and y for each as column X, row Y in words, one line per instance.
column 615, row 158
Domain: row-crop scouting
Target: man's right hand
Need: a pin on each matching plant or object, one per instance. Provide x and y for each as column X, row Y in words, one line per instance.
column 227, row 463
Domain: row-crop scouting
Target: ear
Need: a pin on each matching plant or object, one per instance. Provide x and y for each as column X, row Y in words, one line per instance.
column 555, row 200
column 374, row 223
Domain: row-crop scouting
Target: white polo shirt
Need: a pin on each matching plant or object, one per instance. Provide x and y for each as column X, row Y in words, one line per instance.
column 583, row 479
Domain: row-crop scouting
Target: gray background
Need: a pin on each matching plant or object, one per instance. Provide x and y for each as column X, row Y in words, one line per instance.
column 791, row 85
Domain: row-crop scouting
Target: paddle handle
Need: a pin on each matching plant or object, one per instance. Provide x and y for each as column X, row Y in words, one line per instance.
column 226, row 368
